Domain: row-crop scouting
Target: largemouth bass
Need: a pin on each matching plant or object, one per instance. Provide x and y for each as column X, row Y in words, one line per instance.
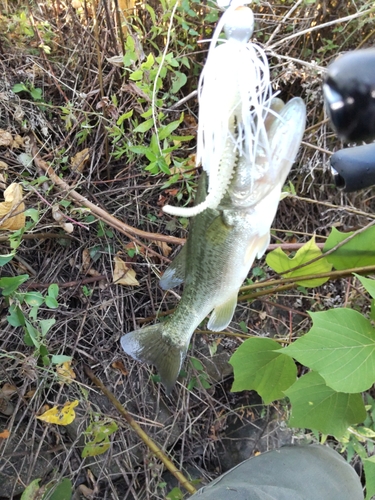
column 220, row 249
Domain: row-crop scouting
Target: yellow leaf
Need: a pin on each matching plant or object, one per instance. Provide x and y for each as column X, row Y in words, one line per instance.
column 60, row 416
column 65, row 373
column 13, row 196
column 78, row 161
column 123, row 275
column 5, row 434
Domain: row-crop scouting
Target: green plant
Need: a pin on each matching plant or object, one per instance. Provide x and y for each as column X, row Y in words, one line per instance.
column 201, row 379
column 338, row 351
column 35, row 93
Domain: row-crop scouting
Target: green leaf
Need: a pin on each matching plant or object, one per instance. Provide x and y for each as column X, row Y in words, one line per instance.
column 4, row 259
column 368, row 283
column 341, row 347
column 36, row 94
column 175, row 494
column 124, row 117
column 197, row 364
column 61, row 491
column 257, row 366
column 92, row 449
column 19, row 87
column 144, row 126
column 280, row 262
column 33, row 213
column 31, row 491
column 369, row 466
column 33, row 334
column 53, row 290
column 15, row 317
column 58, row 359
column 51, row 302
column 10, row 285
column 317, row 406
column 100, row 432
column 178, row 81
column 45, row 325
column 166, row 131
column 33, row 298
column 358, row 252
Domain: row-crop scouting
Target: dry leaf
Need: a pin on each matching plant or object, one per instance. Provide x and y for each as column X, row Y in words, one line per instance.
column 78, row 161
column 119, row 365
column 85, row 491
column 13, row 196
column 165, row 249
column 17, row 142
column 62, row 416
column 6, row 408
column 3, row 165
column 6, row 138
column 76, row 4
column 86, row 260
column 5, row 434
column 123, row 275
column 116, row 61
column 8, row 390
column 65, row 373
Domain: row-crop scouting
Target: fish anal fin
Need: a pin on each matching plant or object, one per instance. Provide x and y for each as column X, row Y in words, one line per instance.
column 222, row 315
column 151, row 345
column 175, row 273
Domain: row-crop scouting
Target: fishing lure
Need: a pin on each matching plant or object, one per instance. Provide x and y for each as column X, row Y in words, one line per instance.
column 234, row 98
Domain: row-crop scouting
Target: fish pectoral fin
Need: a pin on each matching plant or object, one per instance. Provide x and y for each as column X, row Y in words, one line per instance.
column 222, row 315
column 150, row 345
column 175, row 273
column 263, row 245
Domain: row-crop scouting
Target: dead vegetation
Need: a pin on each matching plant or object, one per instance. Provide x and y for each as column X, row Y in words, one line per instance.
column 68, row 114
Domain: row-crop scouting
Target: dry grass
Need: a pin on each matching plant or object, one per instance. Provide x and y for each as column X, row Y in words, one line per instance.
column 76, row 75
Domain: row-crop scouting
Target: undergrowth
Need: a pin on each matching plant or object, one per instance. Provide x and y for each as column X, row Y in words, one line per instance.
column 103, row 95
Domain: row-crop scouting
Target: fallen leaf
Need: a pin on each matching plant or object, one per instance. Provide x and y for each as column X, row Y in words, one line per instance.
column 8, row 390
column 165, row 248
column 65, row 373
column 17, row 142
column 119, row 365
column 6, row 138
column 85, row 491
column 76, row 4
column 86, row 260
column 123, row 275
column 6, row 408
column 60, row 416
column 5, row 434
column 13, row 196
column 79, row 160
column 3, row 165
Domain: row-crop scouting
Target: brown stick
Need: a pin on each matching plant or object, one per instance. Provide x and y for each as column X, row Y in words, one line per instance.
column 142, row 434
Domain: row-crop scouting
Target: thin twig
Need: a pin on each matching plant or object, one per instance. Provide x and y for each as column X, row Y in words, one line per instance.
column 153, row 447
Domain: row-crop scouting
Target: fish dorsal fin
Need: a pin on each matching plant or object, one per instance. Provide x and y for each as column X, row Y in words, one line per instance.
column 222, row 315
column 175, row 273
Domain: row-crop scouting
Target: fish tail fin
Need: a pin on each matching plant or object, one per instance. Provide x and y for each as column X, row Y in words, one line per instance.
column 151, row 345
